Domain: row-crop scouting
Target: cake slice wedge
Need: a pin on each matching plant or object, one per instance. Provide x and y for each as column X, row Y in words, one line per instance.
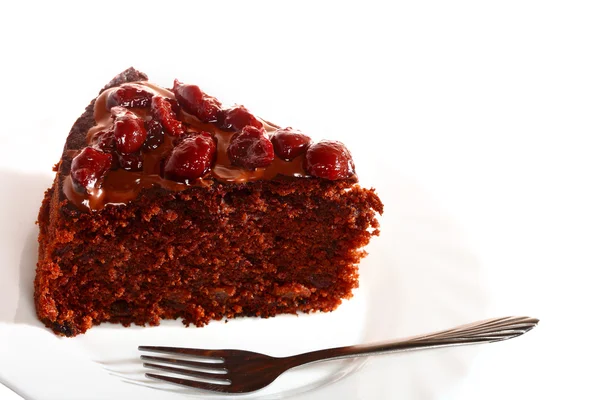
column 167, row 204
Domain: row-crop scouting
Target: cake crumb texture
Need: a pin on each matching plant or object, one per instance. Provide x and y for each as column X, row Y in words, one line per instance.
column 257, row 249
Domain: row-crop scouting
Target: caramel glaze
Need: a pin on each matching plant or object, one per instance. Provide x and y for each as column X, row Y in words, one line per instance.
column 119, row 186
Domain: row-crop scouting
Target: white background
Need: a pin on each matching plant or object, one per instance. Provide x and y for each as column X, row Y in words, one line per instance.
column 491, row 107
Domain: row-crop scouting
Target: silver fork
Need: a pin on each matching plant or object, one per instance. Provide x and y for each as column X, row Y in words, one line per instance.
column 239, row 371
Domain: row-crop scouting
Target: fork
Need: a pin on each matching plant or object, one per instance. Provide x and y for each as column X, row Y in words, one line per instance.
column 239, row 371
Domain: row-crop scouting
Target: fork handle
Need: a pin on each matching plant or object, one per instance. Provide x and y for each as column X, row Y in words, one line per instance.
column 488, row 331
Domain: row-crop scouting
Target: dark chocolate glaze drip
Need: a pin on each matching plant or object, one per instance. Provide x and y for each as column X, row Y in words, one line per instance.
column 120, row 186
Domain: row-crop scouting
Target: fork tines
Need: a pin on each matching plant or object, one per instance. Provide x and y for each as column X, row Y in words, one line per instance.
column 210, row 373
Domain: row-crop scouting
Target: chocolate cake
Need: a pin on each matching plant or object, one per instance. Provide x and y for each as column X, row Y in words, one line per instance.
column 166, row 205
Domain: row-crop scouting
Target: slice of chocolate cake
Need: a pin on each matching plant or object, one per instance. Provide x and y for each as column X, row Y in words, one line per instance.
column 167, row 204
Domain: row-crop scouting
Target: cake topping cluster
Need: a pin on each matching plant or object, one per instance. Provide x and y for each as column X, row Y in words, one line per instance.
column 129, row 130
column 88, row 167
column 329, row 160
column 191, row 158
column 129, row 95
column 184, row 136
column 289, row 143
column 236, row 118
column 250, row 148
column 193, row 100
column 155, row 135
column 164, row 111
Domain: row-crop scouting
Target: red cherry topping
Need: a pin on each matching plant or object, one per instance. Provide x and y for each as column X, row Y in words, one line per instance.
column 191, row 158
column 131, row 161
column 103, row 140
column 329, row 160
column 88, row 167
column 156, row 135
column 289, row 143
column 129, row 95
column 193, row 100
column 130, row 132
column 237, row 117
column 250, row 149
column 162, row 110
column 174, row 105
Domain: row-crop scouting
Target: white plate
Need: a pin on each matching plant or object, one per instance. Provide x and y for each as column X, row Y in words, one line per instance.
column 417, row 278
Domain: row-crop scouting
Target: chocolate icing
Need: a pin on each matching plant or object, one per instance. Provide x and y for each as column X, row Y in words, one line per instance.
column 120, row 186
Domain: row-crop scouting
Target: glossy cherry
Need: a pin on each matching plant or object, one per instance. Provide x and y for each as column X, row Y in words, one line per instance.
column 155, row 136
column 193, row 100
column 88, row 167
column 174, row 105
column 131, row 161
column 191, row 158
column 237, row 117
column 289, row 143
column 103, row 140
column 250, row 149
column 130, row 132
column 162, row 110
column 129, row 95
column 329, row 160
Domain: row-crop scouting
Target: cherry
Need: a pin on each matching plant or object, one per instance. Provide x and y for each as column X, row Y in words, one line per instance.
column 130, row 132
column 329, row 160
column 191, row 131
column 174, row 105
column 88, row 167
column 193, row 100
column 250, row 149
column 191, row 158
column 162, row 109
column 103, row 140
column 289, row 143
column 129, row 95
column 131, row 161
column 237, row 117
column 156, row 135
